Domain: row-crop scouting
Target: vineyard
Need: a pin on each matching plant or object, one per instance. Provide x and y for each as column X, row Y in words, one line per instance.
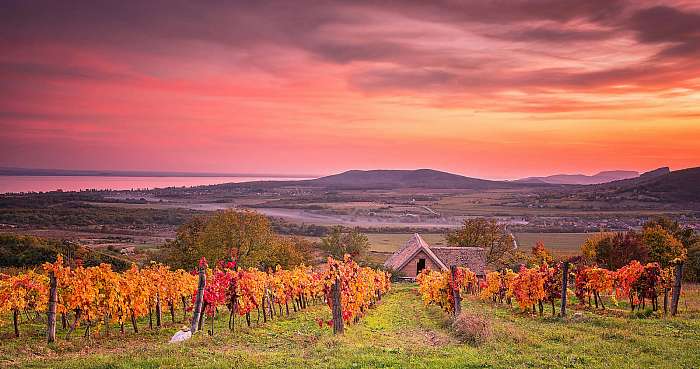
column 98, row 297
column 281, row 318
column 532, row 288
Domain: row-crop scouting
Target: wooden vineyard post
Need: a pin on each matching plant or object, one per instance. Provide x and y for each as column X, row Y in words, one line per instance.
column 133, row 323
column 564, row 284
column 676, row 289
column 51, row 312
column 264, row 308
column 159, row 311
column 107, row 319
column 455, row 291
column 15, row 321
column 184, row 308
column 338, row 324
column 198, row 301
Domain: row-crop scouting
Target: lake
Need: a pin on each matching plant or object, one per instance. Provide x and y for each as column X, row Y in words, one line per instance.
column 77, row 183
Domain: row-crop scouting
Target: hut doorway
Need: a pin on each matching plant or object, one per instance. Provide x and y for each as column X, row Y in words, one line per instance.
column 421, row 265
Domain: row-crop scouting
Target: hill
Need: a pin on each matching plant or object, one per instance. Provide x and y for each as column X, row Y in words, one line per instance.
column 385, row 179
column 679, row 185
column 393, row 179
column 582, row 179
column 655, row 173
column 660, row 185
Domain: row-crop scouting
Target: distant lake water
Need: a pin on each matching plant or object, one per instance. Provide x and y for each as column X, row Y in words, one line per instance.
column 77, row 183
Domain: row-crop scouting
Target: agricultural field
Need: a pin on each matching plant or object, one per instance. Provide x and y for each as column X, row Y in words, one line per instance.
column 400, row 332
column 390, row 242
column 560, row 244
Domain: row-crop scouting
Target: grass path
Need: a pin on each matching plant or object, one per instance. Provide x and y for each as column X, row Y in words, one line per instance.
column 398, row 333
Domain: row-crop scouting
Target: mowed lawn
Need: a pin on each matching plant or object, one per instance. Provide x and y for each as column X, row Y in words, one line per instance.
column 561, row 244
column 398, row 333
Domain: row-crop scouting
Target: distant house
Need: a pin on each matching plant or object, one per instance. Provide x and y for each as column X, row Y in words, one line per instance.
column 129, row 250
column 416, row 255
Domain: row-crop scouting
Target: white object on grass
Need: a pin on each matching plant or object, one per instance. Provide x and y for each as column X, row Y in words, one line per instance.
column 181, row 336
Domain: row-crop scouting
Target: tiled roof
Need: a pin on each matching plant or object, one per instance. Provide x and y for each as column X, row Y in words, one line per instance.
column 473, row 258
column 403, row 255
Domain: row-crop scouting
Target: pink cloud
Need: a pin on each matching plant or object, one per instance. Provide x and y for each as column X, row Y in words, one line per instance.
column 262, row 87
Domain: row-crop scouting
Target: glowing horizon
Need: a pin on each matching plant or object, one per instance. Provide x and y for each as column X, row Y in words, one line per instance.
column 483, row 90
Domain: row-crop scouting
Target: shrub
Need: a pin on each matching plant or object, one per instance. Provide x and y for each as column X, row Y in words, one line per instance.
column 472, row 329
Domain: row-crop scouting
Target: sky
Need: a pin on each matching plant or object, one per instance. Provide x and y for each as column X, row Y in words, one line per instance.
column 493, row 89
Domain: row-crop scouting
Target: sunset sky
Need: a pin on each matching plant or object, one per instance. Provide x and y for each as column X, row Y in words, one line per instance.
column 493, row 89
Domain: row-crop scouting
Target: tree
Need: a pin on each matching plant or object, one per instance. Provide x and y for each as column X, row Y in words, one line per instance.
column 27, row 251
column 339, row 242
column 663, row 247
column 690, row 240
column 288, row 252
column 489, row 234
column 589, row 247
column 248, row 234
column 540, row 254
column 686, row 235
column 183, row 251
column 613, row 251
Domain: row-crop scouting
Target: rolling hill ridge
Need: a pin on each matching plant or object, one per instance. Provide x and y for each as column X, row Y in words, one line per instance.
column 419, row 178
column 582, row 179
column 660, row 185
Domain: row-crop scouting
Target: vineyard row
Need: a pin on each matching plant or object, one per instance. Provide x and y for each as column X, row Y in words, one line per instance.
column 534, row 287
column 98, row 296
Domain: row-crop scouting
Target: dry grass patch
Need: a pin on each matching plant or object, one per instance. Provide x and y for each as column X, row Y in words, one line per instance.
column 473, row 329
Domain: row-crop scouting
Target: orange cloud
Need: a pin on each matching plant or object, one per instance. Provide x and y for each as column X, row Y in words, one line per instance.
column 534, row 88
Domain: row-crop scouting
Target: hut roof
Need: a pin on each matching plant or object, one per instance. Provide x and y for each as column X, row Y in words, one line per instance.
column 409, row 250
column 473, row 258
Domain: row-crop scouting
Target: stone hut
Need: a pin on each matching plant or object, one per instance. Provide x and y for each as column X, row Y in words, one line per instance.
column 416, row 255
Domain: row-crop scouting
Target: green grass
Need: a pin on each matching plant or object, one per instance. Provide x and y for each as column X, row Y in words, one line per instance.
column 398, row 333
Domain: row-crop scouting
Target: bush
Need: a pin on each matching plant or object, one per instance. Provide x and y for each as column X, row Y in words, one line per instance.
column 29, row 251
column 472, row 329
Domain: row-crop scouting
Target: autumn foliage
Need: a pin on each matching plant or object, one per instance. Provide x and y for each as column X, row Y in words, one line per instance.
column 360, row 287
column 532, row 287
column 436, row 287
column 95, row 296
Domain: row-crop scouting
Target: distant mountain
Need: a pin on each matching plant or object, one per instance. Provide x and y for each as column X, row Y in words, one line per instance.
column 679, row 185
column 643, row 178
column 655, row 173
column 389, row 179
column 420, row 178
column 582, row 179
column 661, row 185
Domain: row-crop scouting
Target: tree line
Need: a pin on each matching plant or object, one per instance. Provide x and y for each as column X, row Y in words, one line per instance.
column 661, row 240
